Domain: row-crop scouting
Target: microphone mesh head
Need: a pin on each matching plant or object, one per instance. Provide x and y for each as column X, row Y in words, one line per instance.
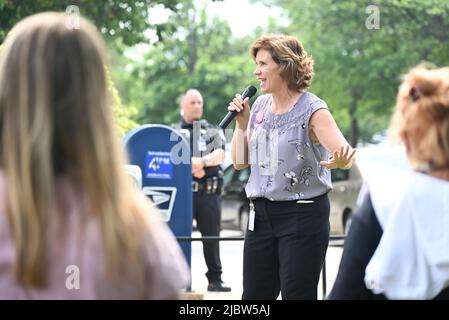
column 249, row 92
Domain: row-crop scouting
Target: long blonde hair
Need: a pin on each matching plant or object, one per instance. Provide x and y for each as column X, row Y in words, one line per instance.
column 56, row 119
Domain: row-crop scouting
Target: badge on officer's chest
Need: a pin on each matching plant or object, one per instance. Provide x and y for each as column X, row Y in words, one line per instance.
column 202, row 144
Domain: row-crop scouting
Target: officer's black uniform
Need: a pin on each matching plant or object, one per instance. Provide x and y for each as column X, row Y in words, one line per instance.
column 207, row 194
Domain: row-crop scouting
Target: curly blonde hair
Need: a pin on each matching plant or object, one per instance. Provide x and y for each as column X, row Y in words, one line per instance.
column 296, row 66
column 421, row 117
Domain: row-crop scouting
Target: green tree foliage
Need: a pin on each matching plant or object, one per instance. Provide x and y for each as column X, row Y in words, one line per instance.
column 121, row 24
column 358, row 67
column 123, row 114
column 118, row 20
column 198, row 53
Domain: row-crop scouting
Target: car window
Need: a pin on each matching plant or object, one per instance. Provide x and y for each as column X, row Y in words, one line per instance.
column 339, row 175
column 243, row 175
column 227, row 176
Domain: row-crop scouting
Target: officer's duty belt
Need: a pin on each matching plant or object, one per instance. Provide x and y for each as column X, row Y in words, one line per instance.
column 211, row 185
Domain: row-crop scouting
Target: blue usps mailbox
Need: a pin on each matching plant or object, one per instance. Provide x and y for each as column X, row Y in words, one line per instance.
column 164, row 158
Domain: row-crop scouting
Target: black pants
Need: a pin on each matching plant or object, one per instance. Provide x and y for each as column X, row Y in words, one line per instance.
column 207, row 213
column 286, row 250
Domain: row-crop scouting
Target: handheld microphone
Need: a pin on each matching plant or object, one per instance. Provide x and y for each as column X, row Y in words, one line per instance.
column 248, row 92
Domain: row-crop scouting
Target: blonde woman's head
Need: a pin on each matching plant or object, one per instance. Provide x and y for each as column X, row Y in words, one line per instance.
column 56, row 119
column 53, row 90
column 421, row 118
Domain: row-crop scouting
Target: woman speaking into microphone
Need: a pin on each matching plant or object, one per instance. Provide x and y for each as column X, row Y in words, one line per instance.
column 291, row 142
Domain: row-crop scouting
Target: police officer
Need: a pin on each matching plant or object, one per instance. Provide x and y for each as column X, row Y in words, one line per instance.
column 207, row 145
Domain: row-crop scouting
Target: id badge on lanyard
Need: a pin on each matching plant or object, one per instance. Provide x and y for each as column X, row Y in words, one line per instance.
column 252, row 216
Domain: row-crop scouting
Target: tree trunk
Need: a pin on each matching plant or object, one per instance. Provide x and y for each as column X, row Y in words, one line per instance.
column 356, row 95
column 193, row 44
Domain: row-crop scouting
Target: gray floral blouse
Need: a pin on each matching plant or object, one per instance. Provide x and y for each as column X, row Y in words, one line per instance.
column 285, row 164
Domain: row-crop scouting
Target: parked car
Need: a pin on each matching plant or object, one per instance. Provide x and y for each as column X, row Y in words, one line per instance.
column 343, row 198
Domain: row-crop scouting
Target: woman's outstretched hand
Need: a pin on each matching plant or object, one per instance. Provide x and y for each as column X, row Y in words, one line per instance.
column 341, row 159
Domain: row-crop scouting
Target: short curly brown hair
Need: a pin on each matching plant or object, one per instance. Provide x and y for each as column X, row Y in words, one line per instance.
column 422, row 117
column 296, row 66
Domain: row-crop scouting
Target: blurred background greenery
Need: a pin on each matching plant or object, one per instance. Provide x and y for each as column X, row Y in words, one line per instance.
column 357, row 68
